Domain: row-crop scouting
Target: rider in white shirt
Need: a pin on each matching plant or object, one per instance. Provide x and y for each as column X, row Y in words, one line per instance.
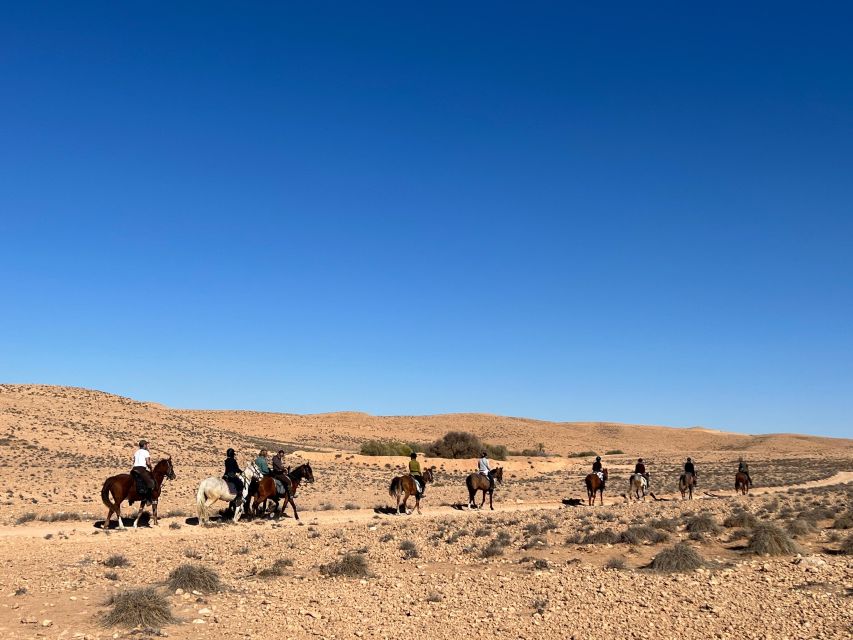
column 483, row 467
column 142, row 469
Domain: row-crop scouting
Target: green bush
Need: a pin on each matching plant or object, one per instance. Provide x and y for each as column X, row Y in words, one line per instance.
column 583, row 454
column 388, row 448
column 461, row 444
column 614, row 452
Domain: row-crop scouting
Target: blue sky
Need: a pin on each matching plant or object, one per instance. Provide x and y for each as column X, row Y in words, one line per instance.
column 555, row 210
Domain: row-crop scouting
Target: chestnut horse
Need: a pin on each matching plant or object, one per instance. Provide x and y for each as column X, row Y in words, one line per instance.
column 405, row 486
column 686, row 483
column 265, row 489
column 478, row 482
column 593, row 484
column 123, row 487
column 742, row 483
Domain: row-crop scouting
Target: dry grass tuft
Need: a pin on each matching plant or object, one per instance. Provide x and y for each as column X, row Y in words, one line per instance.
column 702, row 523
column 194, row 577
column 847, row 546
column 352, row 565
column 681, row 557
column 768, row 539
column 116, row 560
column 740, row 519
column 138, row 608
column 641, row 533
column 800, row 527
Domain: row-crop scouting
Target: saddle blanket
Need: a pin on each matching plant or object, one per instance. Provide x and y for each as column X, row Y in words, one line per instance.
column 232, row 487
column 600, row 475
column 279, row 486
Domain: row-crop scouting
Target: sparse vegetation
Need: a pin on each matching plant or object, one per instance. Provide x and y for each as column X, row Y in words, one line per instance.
column 388, row 448
column 583, row 454
column 800, row 527
column 616, row 562
column 642, row 533
column 194, row 577
column 844, row 521
column 409, row 549
column 701, row 523
column 144, row 608
column 352, row 565
column 740, row 519
column 768, row 539
column 681, row 557
column 461, row 444
column 614, row 452
column 116, row 560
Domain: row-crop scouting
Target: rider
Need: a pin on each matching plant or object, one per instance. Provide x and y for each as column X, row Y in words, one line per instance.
column 415, row 472
column 743, row 467
column 141, row 470
column 690, row 468
column 233, row 472
column 596, row 466
column 261, row 462
column 278, row 468
column 484, row 468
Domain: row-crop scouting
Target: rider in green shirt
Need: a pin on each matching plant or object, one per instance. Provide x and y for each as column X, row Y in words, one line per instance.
column 261, row 462
column 415, row 472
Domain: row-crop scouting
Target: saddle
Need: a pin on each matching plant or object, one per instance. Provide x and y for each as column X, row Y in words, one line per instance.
column 280, row 488
column 600, row 475
column 233, row 488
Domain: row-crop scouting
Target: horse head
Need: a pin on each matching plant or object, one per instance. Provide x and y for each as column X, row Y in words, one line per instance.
column 498, row 474
column 305, row 472
column 604, row 473
column 429, row 474
column 165, row 469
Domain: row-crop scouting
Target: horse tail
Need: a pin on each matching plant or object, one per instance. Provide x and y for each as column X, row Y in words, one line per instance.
column 395, row 487
column 469, row 482
column 105, row 493
column 201, row 500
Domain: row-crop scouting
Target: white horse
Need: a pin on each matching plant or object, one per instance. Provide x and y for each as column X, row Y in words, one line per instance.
column 212, row 489
column 638, row 483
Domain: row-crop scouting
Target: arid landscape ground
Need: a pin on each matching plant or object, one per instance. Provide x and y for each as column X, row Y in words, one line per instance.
column 537, row 566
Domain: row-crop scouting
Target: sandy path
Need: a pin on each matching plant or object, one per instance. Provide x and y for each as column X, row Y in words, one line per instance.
column 338, row 517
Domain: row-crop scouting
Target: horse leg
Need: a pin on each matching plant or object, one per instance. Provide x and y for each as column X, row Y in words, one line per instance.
column 118, row 515
column 491, row 503
column 417, row 503
column 405, row 502
column 139, row 514
column 484, row 499
column 397, row 495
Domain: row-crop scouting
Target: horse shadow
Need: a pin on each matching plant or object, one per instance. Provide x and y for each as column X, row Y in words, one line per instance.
column 144, row 521
column 385, row 511
column 573, row 502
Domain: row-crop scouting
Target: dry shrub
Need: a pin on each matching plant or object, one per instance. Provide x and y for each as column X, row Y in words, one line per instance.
column 615, row 562
column 665, row 524
column 740, row 519
column 352, row 565
column 605, row 536
column 800, row 527
column 461, row 444
column 194, row 577
column 409, row 549
column 847, row 546
column 642, row 533
column 844, row 521
column 681, row 557
column 815, row 514
column 116, row 560
column 702, row 523
column 494, row 548
column 768, row 539
column 138, row 608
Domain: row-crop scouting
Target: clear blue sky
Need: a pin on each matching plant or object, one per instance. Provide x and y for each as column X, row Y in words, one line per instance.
column 633, row 212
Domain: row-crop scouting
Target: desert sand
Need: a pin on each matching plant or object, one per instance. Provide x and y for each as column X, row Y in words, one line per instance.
column 532, row 567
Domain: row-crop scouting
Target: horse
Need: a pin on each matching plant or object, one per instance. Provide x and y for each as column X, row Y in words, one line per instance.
column 686, row 483
column 637, row 483
column 123, row 487
column 742, row 483
column 405, row 486
column 266, row 489
column 595, row 483
column 212, row 489
column 478, row 482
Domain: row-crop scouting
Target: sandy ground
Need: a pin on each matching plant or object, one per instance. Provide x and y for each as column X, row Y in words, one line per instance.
column 58, row 444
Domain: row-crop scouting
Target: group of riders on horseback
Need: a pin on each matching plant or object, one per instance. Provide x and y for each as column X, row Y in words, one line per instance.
column 263, row 482
column 640, row 479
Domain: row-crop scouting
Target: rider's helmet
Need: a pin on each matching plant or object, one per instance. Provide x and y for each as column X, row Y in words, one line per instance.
column 689, row 459
column 598, row 458
column 413, row 455
column 142, row 443
column 639, row 459
column 483, row 454
column 230, row 453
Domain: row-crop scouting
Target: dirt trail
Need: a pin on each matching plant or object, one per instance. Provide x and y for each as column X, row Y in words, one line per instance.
column 337, row 517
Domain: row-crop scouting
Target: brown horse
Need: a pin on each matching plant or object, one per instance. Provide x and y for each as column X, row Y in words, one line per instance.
column 123, row 487
column 593, row 484
column 405, row 486
column 266, row 489
column 686, row 483
column 742, row 483
column 478, row 482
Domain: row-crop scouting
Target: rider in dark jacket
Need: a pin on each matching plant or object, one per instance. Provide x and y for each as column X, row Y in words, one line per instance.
column 640, row 467
column 690, row 468
column 233, row 471
column 596, row 466
column 743, row 467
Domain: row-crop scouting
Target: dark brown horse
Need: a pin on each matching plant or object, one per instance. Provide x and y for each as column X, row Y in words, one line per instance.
column 593, row 484
column 478, row 482
column 742, row 483
column 266, row 489
column 123, row 487
column 405, row 486
column 686, row 483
